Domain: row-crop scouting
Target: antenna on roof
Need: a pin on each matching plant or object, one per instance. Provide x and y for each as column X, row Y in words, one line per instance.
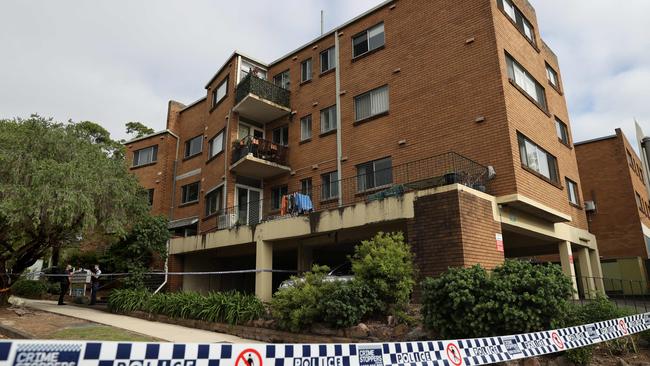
column 322, row 22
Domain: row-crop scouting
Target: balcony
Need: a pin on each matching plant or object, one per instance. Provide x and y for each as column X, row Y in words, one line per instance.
column 261, row 100
column 258, row 158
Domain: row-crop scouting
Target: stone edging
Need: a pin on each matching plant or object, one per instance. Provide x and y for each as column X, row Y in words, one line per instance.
column 14, row 333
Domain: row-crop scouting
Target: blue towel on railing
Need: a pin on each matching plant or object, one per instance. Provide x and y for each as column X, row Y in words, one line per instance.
column 303, row 203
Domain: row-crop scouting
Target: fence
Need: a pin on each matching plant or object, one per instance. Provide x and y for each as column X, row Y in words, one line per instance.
column 375, row 184
column 627, row 294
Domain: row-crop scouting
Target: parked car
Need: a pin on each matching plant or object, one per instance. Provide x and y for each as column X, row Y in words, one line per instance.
column 341, row 273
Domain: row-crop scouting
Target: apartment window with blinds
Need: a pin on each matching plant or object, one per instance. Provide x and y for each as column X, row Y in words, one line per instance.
column 194, row 146
column 282, row 80
column 214, row 201
column 281, row 135
column 328, row 119
column 552, row 77
column 374, row 174
column 216, row 145
column 572, row 191
column 562, row 131
column 306, row 187
column 518, row 18
column 525, row 81
column 305, row 71
column 327, row 61
column 372, row 103
column 276, row 196
column 145, row 156
column 220, row 92
column 537, row 159
column 190, row 193
column 368, row 40
column 330, row 187
column 305, row 128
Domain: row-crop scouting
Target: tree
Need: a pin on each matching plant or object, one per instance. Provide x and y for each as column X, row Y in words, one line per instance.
column 138, row 129
column 98, row 135
column 54, row 186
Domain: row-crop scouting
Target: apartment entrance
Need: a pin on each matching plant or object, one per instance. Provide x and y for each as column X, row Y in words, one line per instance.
column 249, row 205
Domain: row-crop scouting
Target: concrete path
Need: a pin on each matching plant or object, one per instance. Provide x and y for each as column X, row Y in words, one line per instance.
column 164, row 331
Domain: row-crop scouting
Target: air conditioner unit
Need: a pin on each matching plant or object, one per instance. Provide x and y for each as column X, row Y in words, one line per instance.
column 590, row 206
column 226, row 221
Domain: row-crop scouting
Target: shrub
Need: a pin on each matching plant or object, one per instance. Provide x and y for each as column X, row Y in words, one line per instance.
column 346, row 303
column 229, row 307
column 581, row 356
column 385, row 265
column 517, row 297
column 53, row 288
column 29, row 288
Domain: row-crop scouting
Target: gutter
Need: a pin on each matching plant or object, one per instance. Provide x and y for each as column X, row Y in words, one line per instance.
column 339, row 147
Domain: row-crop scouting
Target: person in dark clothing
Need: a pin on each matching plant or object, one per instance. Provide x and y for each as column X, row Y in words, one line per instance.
column 94, row 283
column 65, row 283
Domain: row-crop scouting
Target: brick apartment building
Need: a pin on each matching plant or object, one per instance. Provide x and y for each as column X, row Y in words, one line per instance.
column 454, row 107
column 613, row 179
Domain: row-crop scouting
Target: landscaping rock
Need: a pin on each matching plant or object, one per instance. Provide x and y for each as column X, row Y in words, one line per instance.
column 391, row 321
column 20, row 311
column 416, row 334
column 360, row 331
column 323, row 329
column 400, row 330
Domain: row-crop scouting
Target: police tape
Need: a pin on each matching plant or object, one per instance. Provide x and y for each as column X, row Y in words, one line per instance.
column 480, row 351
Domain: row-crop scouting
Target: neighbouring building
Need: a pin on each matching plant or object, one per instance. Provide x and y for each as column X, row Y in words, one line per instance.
column 444, row 120
column 613, row 179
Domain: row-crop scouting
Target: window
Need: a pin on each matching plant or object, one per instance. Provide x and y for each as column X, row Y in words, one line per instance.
column 190, row 193
column 144, row 156
column 368, row 40
column 276, row 196
column 216, row 145
column 330, row 187
column 150, row 193
column 552, row 77
column 518, row 18
column 305, row 128
column 281, row 135
column 371, row 103
column 537, row 159
column 562, row 131
column 327, row 61
column 572, row 191
column 305, row 70
column 220, row 92
column 374, row 174
column 526, row 82
column 247, row 67
column 306, row 187
column 328, row 119
column 193, row 146
column 282, row 80
column 213, row 201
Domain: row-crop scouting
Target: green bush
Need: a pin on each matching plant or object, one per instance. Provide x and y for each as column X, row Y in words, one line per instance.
column 385, row 265
column 29, row 288
column 228, row 307
column 346, row 303
column 517, row 297
column 53, row 288
column 581, row 356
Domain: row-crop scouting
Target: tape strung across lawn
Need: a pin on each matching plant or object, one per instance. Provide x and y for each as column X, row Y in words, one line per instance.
column 479, row 351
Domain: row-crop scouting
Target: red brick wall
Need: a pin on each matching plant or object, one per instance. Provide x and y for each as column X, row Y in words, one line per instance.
column 175, row 264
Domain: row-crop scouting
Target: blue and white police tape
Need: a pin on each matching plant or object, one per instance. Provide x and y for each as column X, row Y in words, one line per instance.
column 479, row 351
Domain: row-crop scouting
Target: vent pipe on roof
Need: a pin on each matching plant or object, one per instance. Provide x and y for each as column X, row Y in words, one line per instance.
column 322, row 22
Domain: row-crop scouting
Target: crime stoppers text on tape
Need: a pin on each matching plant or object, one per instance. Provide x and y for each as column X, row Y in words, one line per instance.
column 480, row 351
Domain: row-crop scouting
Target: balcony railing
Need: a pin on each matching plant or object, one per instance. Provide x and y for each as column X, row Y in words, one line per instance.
column 264, row 89
column 435, row 171
column 259, row 148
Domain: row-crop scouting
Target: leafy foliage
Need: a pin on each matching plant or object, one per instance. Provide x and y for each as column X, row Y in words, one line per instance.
column 29, row 288
column 224, row 307
column 57, row 182
column 385, row 265
column 516, row 297
column 138, row 129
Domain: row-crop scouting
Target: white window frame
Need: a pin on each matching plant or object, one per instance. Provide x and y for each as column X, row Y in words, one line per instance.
column 521, row 22
column 282, row 83
column 188, row 146
column 331, row 60
column 562, row 129
column 374, row 108
column 524, row 80
column 306, row 132
column 183, row 192
column 280, row 129
column 211, row 149
column 222, row 89
column 367, row 33
column 572, row 191
column 307, row 189
column 249, row 188
column 219, row 207
column 536, row 159
column 331, row 112
column 306, row 68
column 332, row 185
column 362, row 185
column 552, row 76
column 137, row 153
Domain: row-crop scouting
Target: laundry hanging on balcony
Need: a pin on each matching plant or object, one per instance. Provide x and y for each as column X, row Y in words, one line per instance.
column 296, row 204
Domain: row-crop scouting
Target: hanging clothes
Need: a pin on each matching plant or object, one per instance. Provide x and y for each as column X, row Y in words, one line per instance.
column 283, row 205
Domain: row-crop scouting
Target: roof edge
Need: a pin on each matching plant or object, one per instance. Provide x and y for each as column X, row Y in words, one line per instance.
column 148, row 136
column 594, row 140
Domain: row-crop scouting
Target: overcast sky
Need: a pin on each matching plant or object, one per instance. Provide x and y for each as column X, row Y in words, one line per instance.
column 122, row 60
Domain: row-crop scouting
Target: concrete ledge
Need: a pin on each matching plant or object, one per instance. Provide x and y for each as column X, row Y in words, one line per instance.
column 14, row 333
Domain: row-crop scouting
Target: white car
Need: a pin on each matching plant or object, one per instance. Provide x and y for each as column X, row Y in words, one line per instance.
column 342, row 273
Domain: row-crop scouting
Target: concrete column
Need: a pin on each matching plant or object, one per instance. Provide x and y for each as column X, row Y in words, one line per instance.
column 587, row 276
column 596, row 268
column 305, row 256
column 264, row 261
column 566, row 258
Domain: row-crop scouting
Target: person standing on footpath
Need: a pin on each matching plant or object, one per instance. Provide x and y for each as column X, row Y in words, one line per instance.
column 94, row 283
column 65, row 283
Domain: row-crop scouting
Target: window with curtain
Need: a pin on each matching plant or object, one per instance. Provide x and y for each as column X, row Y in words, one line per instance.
column 145, row 156
column 330, row 188
column 220, row 92
column 305, row 70
column 305, row 128
column 216, row 144
column 526, row 82
column 281, row 135
column 328, row 119
column 371, row 103
column 374, row 174
column 368, row 40
column 282, row 80
column 213, row 201
column 537, row 159
column 327, row 61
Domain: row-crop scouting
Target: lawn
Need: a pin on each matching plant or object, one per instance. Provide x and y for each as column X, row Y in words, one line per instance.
column 100, row 333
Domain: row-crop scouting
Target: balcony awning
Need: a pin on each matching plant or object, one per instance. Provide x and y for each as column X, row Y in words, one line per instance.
column 182, row 223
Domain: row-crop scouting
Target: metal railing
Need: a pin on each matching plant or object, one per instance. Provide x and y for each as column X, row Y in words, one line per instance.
column 632, row 295
column 259, row 148
column 435, row 171
column 262, row 88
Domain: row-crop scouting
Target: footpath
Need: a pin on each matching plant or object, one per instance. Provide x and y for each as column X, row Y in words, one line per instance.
column 167, row 332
